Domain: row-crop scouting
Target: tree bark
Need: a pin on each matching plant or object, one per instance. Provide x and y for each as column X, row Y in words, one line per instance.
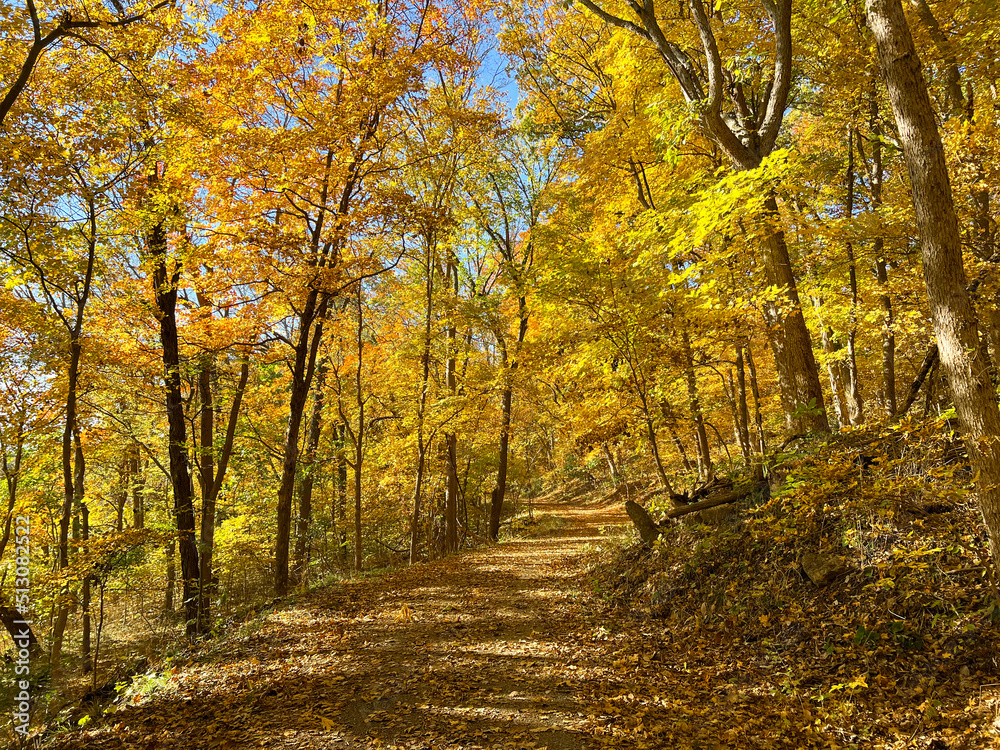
column 755, row 390
column 955, row 323
column 75, row 331
column 669, row 418
column 359, row 436
column 612, row 464
column 85, row 639
column 854, row 399
column 310, row 332
column 165, row 289
column 798, row 375
column 170, row 552
column 451, row 439
column 138, row 488
column 500, row 490
column 308, row 479
column 930, row 361
column 425, row 361
column 510, row 365
column 210, row 499
column 694, row 403
column 206, row 450
column 882, row 267
column 888, row 333
column 12, row 475
column 834, row 366
column 338, row 515
column 83, row 514
column 744, row 412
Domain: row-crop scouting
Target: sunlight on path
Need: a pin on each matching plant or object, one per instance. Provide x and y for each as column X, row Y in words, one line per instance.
column 484, row 650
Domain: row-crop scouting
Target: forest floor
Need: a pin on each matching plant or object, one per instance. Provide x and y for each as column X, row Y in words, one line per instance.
column 513, row 646
column 495, row 648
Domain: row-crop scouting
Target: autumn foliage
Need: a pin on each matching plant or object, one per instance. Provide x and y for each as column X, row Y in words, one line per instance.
column 294, row 291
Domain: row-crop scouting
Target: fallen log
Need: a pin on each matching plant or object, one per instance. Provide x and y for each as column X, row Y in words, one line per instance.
column 649, row 530
column 712, row 502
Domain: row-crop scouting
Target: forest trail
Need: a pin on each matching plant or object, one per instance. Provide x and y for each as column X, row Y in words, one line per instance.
column 493, row 648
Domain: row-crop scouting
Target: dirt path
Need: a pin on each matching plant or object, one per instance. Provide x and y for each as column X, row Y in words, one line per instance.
column 491, row 649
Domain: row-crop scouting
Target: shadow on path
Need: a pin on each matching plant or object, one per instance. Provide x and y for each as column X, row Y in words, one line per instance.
column 488, row 649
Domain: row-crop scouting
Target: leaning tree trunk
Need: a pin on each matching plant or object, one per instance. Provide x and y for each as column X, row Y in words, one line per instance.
column 955, row 323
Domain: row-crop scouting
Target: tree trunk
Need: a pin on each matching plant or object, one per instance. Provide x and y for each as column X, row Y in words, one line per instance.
column 308, row 480
column 425, row 361
column 359, row 436
column 124, row 481
column 138, row 488
column 338, row 515
column 451, row 439
column 79, row 477
column 85, row 664
column 12, row 475
column 744, row 412
column 798, row 375
column 955, row 323
column 19, row 629
column 207, row 474
column 882, row 266
column 888, row 335
column 612, row 464
column 417, row 496
column 654, row 445
column 165, row 289
column 669, row 418
column 834, row 366
column 497, row 496
column 506, row 405
column 211, row 497
column 694, row 403
column 755, row 390
column 855, row 401
column 310, row 332
column 929, row 363
column 69, row 430
column 168, row 597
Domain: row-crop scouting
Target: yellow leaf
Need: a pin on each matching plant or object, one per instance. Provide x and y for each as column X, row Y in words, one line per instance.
column 405, row 614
